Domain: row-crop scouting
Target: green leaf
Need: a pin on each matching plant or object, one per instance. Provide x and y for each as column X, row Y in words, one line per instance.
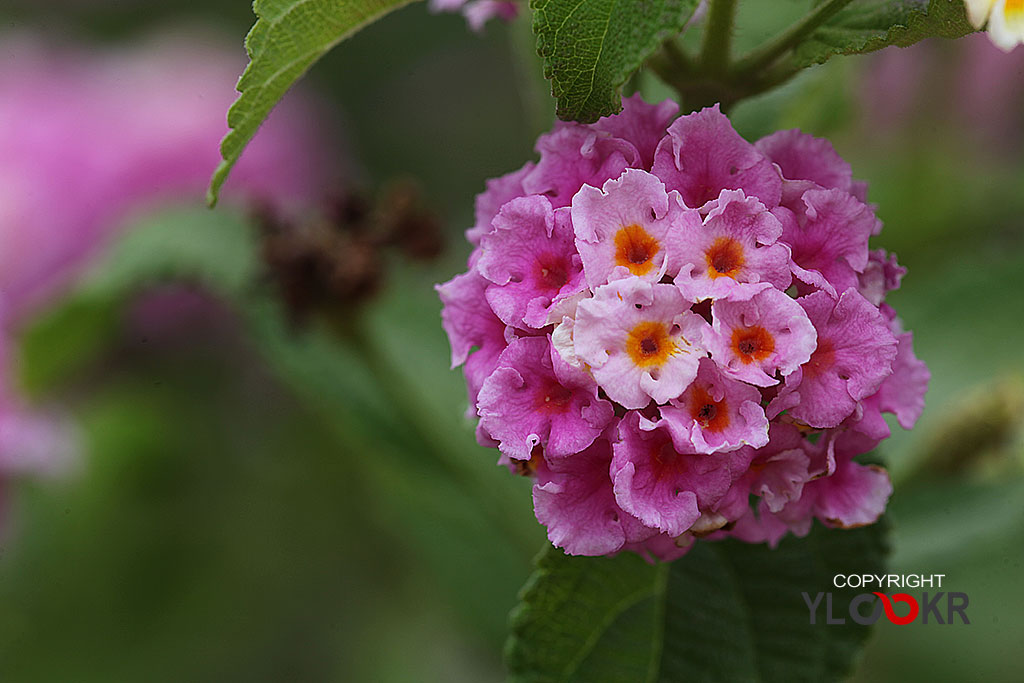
column 727, row 611
column 287, row 38
column 590, row 47
column 869, row 25
column 214, row 248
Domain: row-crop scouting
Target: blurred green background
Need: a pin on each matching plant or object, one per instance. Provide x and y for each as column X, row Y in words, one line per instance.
column 264, row 503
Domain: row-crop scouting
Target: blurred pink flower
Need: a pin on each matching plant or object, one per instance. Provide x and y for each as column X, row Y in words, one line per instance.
column 88, row 137
column 969, row 84
column 990, row 94
column 478, row 12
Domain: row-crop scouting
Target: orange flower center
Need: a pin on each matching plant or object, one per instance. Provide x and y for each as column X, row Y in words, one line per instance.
column 649, row 344
column 725, row 258
column 711, row 415
column 752, row 343
column 635, row 248
column 1014, row 10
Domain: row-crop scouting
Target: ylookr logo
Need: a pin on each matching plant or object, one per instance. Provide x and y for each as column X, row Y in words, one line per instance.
column 932, row 608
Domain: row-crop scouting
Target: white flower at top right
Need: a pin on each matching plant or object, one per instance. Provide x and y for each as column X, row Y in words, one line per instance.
column 1005, row 19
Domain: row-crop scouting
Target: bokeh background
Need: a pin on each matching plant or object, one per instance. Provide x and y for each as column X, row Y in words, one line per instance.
column 255, row 495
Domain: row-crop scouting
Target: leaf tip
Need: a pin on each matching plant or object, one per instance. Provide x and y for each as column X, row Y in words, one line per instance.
column 220, row 174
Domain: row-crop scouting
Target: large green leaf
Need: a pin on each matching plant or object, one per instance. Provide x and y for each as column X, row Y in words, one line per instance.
column 727, row 611
column 590, row 47
column 288, row 37
column 869, row 25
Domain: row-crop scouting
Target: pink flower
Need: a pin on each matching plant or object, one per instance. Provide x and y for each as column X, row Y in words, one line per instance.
column 804, row 157
column 533, row 397
column 828, row 237
column 530, row 261
column 639, row 340
column 734, row 254
column 574, row 155
column 853, row 495
column 702, row 155
column 631, row 316
column 489, row 202
column 715, row 413
column 777, row 473
column 901, row 393
column 848, row 495
column 630, row 227
column 640, row 124
column 472, row 328
column 755, row 339
column 574, row 501
column 665, row 489
column 881, row 275
column 89, row 137
column 855, row 352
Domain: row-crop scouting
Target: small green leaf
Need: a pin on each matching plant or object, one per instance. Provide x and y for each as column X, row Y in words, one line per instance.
column 590, row 47
column 287, row 38
column 727, row 611
column 869, row 25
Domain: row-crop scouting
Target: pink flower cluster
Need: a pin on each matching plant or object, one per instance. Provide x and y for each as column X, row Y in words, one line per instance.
column 681, row 334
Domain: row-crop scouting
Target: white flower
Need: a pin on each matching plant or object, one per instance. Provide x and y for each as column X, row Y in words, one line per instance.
column 1005, row 20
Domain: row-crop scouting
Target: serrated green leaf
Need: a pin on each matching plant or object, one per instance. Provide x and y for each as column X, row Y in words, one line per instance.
column 727, row 611
column 869, row 25
column 590, row 47
column 287, row 38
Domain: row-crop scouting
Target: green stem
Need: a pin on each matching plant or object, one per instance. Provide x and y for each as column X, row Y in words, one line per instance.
column 673, row 66
column 764, row 56
column 677, row 57
column 715, row 52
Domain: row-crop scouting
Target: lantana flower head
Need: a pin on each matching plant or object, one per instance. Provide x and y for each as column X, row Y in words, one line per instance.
column 679, row 334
